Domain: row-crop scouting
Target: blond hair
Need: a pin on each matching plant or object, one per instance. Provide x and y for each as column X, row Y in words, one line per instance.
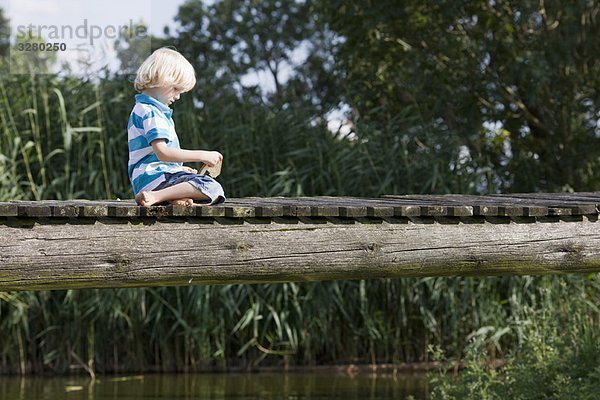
column 165, row 67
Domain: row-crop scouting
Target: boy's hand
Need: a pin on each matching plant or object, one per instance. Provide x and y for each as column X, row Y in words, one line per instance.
column 213, row 158
column 190, row 170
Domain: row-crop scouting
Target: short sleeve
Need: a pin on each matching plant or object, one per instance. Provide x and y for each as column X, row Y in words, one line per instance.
column 156, row 127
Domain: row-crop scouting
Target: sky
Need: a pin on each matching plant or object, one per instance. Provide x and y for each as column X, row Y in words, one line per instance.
column 66, row 21
column 88, row 28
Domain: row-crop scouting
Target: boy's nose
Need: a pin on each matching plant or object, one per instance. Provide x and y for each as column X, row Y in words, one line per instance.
column 176, row 96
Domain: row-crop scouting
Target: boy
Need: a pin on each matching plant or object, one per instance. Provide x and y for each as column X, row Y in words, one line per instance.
column 155, row 167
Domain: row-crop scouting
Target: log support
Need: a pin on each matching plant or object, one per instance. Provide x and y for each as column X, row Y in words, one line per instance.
column 38, row 253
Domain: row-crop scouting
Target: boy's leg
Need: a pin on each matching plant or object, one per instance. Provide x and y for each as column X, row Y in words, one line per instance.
column 180, row 191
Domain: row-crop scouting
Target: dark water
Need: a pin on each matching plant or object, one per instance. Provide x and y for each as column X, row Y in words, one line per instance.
column 292, row 386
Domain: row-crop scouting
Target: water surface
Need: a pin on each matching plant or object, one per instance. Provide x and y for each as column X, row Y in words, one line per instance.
column 289, row 386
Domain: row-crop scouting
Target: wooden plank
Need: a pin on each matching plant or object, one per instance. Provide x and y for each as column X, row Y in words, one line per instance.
column 174, row 210
column 321, row 206
column 324, row 210
column 371, row 207
column 353, row 211
column 380, row 211
column 560, row 211
column 269, row 211
column 490, row 206
column 585, row 209
column 354, row 207
column 434, row 211
column 407, row 206
column 153, row 211
column 292, row 210
column 123, row 210
column 41, row 256
column 559, row 203
column 33, row 209
column 235, row 211
column 8, row 210
column 93, row 209
column 65, row 210
column 460, row 211
column 536, row 207
column 345, row 207
column 445, row 206
column 486, row 205
column 390, row 207
column 262, row 207
column 512, row 211
column 486, row 210
column 408, row 211
column 283, row 206
column 210, row 211
column 562, row 197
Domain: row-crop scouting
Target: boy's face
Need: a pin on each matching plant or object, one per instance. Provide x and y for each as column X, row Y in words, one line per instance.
column 166, row 94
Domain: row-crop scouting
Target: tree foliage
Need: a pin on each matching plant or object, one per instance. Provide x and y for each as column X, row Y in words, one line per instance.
column 279, row 39
column 515, row 81
column 479, row 91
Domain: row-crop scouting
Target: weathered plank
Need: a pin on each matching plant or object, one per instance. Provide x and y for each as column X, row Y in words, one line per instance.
column 34, row 209
column 557, row 203
column 8, row 210
column 51, row 256
column 262, row 207
column 123, row 210
column 280, row 239
column 495, row 205
column 525, row 205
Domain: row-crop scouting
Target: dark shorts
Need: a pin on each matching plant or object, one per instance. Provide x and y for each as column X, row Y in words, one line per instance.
column 203, row 183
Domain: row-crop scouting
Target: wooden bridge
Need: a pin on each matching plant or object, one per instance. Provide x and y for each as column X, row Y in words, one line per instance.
column 84, row 244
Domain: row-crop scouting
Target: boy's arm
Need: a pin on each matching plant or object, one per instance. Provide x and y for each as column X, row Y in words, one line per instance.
column 171, row 154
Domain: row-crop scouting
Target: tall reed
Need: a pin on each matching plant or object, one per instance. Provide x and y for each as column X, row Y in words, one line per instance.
column 248, row 326
column 64, row 138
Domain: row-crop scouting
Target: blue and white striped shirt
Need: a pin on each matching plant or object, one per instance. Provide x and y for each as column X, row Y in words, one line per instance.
column 149, row 120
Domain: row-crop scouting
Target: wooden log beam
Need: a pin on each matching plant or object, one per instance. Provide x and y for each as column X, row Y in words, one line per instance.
column 39, row 253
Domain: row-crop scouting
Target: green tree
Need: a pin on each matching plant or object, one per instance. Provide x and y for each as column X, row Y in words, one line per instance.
column 134, row 45
column 228, row 40
column 514, row 82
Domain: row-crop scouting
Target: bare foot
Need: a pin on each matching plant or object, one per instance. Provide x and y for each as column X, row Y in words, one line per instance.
column 145, row 199
column 182, row 202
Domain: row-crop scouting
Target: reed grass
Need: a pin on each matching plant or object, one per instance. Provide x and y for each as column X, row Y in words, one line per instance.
column 65, row 138
column 248, row 326
column 56, row 138
column 558, row 358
